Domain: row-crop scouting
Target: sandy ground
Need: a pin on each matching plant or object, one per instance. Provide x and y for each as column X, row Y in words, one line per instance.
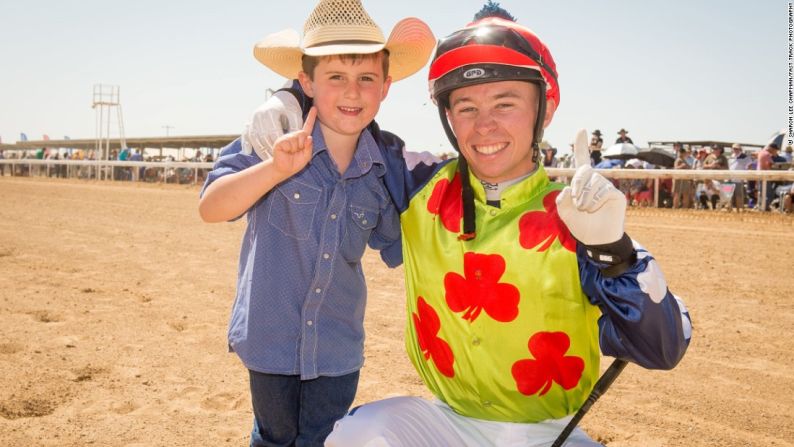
column 114, row 301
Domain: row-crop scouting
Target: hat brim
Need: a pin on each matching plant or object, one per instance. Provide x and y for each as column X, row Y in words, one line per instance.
column 410, row 45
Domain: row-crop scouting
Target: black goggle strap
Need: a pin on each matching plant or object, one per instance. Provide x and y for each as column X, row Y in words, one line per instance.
column 538, row 135
column 469, row 225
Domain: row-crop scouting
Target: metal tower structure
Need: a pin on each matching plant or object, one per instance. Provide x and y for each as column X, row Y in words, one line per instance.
column 106, row 98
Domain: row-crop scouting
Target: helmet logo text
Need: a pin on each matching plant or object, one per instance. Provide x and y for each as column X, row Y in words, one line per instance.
column 474, row 73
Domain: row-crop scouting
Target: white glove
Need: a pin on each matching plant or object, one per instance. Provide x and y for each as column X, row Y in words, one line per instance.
column 279, row 115
column 592, row 208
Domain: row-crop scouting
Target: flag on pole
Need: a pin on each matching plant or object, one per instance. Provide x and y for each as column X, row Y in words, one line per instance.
column 45, row 137
column 66, row 137
column 23, row 137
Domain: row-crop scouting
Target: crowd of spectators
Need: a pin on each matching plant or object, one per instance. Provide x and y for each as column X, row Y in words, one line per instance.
column 709, row 194
column 121, row 173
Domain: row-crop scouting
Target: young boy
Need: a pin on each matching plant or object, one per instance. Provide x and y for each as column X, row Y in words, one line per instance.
column 297, row 321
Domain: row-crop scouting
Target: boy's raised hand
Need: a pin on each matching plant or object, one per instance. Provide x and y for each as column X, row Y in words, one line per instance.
column 279, row 115
column 592, row 208
column 292, row 151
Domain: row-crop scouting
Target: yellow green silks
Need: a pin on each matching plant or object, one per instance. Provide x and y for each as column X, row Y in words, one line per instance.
column 483, row 300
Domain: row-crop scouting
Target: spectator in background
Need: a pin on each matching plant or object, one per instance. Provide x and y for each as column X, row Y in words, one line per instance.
column 623, row 138
column 682, row 189
column 709, row 194
column 596, row 143
column 123, row 172
column 690, row 155
column 52, row 169
column 64, row 168
column 630, row 186
column 766, row 158
column 2, row 166
column 137, row 173
column 700, row 160
column 549, row 154
column 717, row 160
column 739, row 161
column 788, row 201
column 700, row 157
column 788, row 154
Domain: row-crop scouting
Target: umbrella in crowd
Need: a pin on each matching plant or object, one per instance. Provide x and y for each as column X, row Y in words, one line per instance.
column 657, row 156
column 778, row 139
column 620, row 151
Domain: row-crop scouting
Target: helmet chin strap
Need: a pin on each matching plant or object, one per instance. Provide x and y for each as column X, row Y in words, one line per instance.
column 469, row 230
column 469, row 225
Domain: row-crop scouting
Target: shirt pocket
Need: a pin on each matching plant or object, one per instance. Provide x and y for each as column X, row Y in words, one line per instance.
column 292, row 208
column 360, row 223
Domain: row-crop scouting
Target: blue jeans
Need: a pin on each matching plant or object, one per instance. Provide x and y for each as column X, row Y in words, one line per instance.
column 289, row 411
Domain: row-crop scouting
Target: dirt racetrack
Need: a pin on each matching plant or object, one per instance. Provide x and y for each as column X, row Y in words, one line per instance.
column 114, row 300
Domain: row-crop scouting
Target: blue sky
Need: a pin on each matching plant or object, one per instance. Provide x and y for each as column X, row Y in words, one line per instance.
column 663, row 70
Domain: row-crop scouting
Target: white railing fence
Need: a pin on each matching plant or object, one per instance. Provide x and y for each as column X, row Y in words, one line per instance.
column 194, row 172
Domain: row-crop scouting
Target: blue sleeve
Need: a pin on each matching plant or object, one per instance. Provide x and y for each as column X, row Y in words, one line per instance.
column 406, row 172
column 230, row 160
column 641, row 321
column 386, row 236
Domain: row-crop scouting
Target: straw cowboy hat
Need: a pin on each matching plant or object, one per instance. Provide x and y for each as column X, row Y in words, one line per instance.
column 344, row 27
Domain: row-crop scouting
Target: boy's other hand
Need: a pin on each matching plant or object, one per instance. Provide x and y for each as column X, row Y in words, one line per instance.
column 292, row 152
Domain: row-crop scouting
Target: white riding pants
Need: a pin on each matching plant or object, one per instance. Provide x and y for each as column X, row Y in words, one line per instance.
column 416, row 422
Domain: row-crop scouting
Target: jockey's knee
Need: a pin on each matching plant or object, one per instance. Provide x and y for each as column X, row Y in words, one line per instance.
column 357, row 431
column 372, row 425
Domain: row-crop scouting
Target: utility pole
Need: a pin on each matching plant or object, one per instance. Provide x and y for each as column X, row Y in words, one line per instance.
column 167, row 129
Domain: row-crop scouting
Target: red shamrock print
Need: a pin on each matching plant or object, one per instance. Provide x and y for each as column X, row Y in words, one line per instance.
column 480, row 289
column 550, row 365
column 427, row 325
column 543, row 227
column 447, row 201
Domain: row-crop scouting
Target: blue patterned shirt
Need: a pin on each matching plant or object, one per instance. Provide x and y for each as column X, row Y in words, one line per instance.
column 301, row 294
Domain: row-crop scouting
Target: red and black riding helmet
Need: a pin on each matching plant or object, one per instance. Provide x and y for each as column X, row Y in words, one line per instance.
column 490, row 50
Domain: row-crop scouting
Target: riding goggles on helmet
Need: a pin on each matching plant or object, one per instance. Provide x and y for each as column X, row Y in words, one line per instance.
column 492, row 52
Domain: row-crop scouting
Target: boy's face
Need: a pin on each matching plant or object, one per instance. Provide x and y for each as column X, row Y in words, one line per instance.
column 347, row 94
column 494, row 124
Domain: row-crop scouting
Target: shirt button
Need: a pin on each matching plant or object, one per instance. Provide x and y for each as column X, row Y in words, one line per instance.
column 486, row 403
column 318, row 290
column 364, row 222
column 297, row 195
column 475, row 341
column 493, row 212
column 310, row 322
column 326, row 256
column 333, row 216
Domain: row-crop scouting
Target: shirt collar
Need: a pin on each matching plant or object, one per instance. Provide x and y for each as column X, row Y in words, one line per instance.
column 518, row 193
column 366, row 156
